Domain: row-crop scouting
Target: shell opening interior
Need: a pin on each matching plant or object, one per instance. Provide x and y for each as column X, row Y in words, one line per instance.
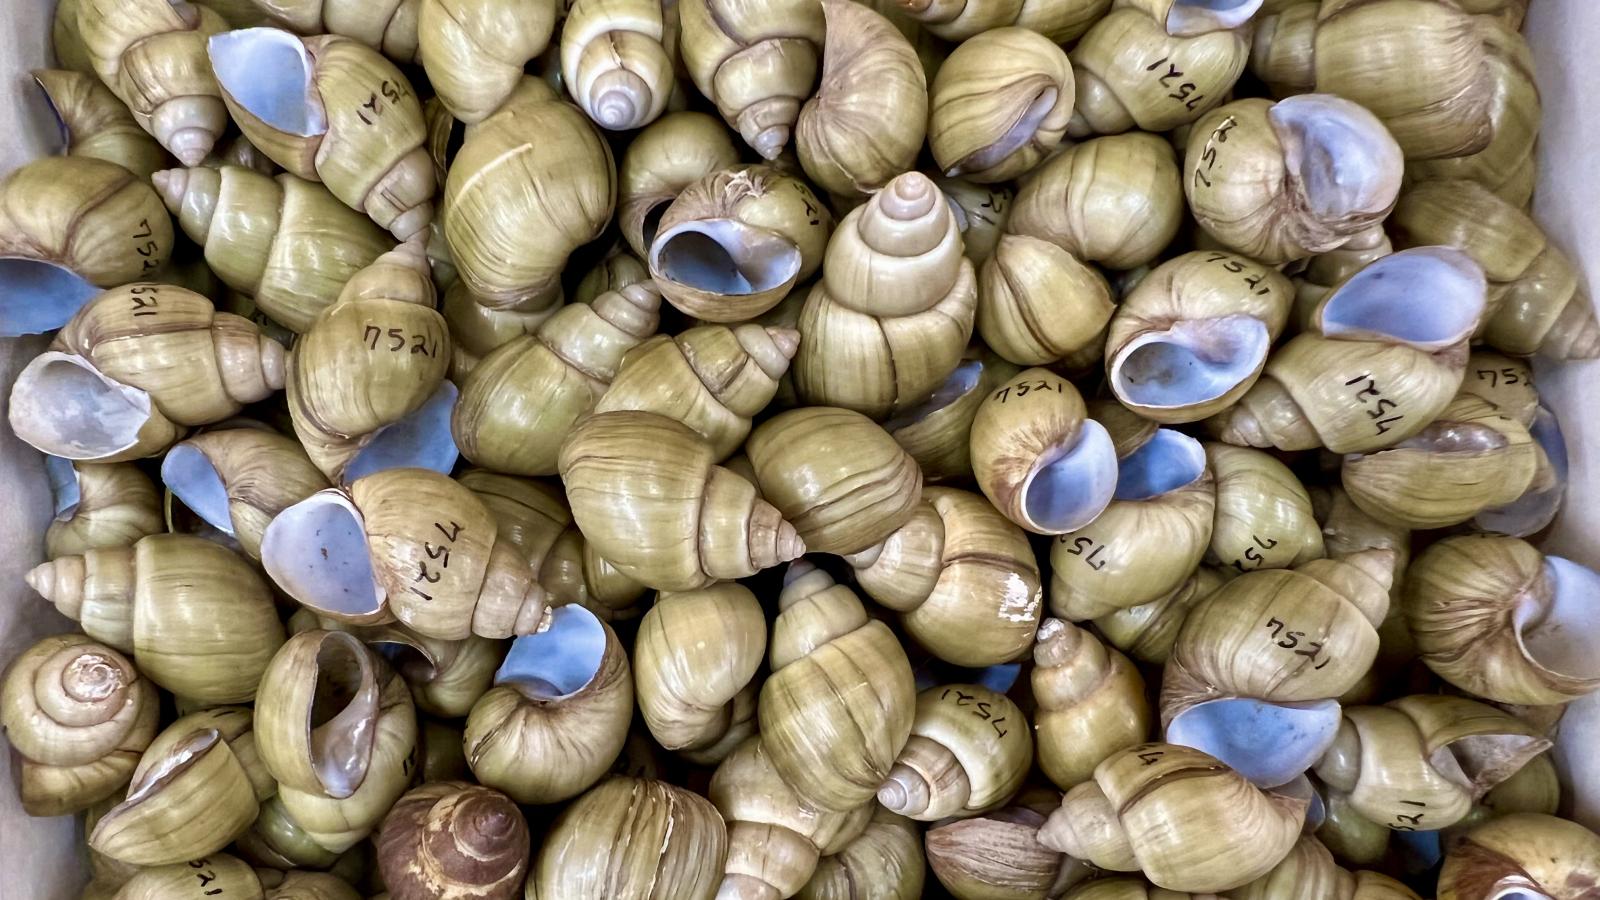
column 1346, row 162
column 999, row 677
column 316, row 551
column 1166, row 462
column 192, row 478
column 420, row 440
column 1015, row 138
column 1562, row 635
column 177, row 761
column 344, row 714
column 1518, row 894
column 652, row 220
column 413, row 661
column 1193, row 362
column 268, row 72
column 1546, row 431
column 1536, row 508
column 1071, row 485
column 559, row 661
column 1428, row 297
column 64, row 406
column 1192, row 16
column 64, row 487
column 38, row 296
column 960, row 383
column 1485, row 759
column 1268, row 743
column 723, row 256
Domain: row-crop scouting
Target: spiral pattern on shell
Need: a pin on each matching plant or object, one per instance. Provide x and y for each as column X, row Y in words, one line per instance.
column 450, row 840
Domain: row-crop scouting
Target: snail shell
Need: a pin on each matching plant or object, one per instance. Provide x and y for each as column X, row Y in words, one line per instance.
column 832, row 665
column 884, row 861
column 78, row 715
column 639, row 482
column 228, row 875
column 558, row 374
column 99, row 507
column 474, row 51
column 453, row 841
column 1526, row 853
column 1091, row 703
column 386, row 25
column 285, row 241
column 687, row 684
column 238, row 479
column 1039, row 304
column 957, row 20
column 866, row 121
column 66, row 39
column 1148, row 631
column 1119, row 87
column 476, row 330
column 733, row 244
column 336, row 728
column 1537, row 507
column 775, row 839
column 1039, row 458
column 756, row 61
column 509, row 244
column 1504, row 382
column 70, row 226
column 1264, row 514
column 1309, row 872
column 969, row 751
column 276, row 841
column 1186, row 820
column 1352, row 837
column 195, row 615
column 997, row 856
column 151, row 54
column 1385, row 354
column 1470, row 459
column 197, row 787
column 672, row 153
column 999, row 105
column 1257, row 664
column 613, row 273
column 339, row 113
column 305, row 886
column 94, row 123
column 838, row 476
column 962, row 577
column 938, row 432
column 1537, row 300
column 446, row 677
column 893, row 313
column 1496, row 618
column 981, row 210
column 1420, row 762
column 1186, row 18
column 617, row 59
column 570, row 679
column 408, row 543
column 1254, row 181
column 712, row 378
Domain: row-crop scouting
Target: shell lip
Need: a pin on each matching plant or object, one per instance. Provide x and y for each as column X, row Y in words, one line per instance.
column 1269, row 743
column 559, row 662
column 422, row 439
column 961, row 382
column 1558, row 637
column 192, row 478
column 64, row 487
column 725, row 257
column 1018, row 136
column 171, row 767
column 1429, row 298
column 341, row 742
column 316, row 551
column 269, row 73
column 1192, row 363
column 1188, row 18
column 1169, row 460
column 64, row 132
column 1537, row 508
column 1070, row 485
column 37, row 295
column 63, row 406
column 1340, row 156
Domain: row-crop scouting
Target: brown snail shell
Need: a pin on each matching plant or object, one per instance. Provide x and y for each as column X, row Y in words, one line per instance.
column 1091, row 703
column 1187, row 821
column 340, row 114
column 669, row 155
column 1497, row 618
column 866, row 121
column 453, row 841
column 832, row 664
column 757, row 62
column 838, row 476
column 570, row 679
column 632, row 839
column 633, row 520
column 474, row 51
column 969, row 751
column 94, row 123
column 195, row 615
column 78, row 715
column 1529, row 854
column 560, row 372
column 152, row 55
column 733, row 244
column 1039, row 458
column 238, row 479
column 999, row 105
column 408, row 543
column 283, row 240
column 962, row 577
column 99, row 506
column 687, row 684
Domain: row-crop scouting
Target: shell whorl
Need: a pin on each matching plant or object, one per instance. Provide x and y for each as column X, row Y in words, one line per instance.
column 451, row 839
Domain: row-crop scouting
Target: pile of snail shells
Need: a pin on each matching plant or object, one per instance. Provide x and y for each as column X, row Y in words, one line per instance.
column 798, row 448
